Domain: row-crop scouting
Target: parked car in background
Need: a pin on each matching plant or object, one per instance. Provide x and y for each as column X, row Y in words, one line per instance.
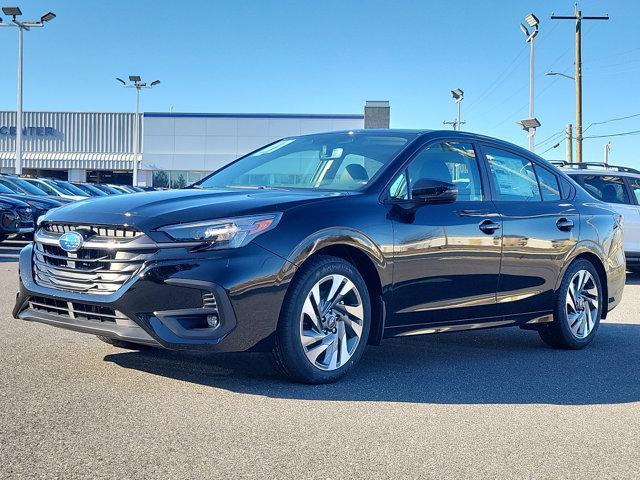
column 314, row 246
column 90, row 189
column 22, row 187
column 51, row 188
column 68, row 186
column 39, row 204
column 17, row 218
column 619, row 187
column 123, row 188
column 107, row 189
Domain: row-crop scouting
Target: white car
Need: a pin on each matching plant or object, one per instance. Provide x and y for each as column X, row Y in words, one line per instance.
column 620, row 188
column 52, row 188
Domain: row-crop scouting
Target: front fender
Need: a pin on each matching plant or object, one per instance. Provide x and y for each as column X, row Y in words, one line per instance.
column 341, row 236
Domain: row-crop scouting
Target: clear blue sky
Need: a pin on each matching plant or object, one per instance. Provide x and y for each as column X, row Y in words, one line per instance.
column 330, row 56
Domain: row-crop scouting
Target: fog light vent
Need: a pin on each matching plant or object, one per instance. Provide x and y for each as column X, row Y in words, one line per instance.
column 209, row 300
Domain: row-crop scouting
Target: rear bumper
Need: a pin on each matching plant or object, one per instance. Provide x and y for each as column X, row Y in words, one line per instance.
column 167, row 303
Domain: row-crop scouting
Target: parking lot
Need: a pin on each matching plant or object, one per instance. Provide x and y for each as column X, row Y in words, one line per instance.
column 482, row 404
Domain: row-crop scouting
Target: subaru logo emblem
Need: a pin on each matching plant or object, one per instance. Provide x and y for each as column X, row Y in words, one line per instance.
column 71, row 241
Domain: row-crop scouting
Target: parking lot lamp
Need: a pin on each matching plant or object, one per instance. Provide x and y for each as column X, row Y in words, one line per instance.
column 458, row 96
column 533, row 23
column 21, row 25
column 136, row 82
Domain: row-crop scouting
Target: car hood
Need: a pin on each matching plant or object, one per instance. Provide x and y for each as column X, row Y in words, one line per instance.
column 7, row 201
column 48, row 202
column 150, row 210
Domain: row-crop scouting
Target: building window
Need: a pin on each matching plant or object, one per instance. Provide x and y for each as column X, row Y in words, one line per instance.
column 176, row 178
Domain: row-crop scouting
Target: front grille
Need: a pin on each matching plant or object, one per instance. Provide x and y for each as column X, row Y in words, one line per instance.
column 75, row 310
column 100, row 231
column 101, row 266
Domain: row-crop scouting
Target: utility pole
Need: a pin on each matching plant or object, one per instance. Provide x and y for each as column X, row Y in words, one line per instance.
column 607, row 149
column 578, row 17
column 569, row 135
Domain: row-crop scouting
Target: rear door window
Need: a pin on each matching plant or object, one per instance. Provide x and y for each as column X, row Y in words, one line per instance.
column 549, row 186
column 608, row 188
column 513, row 175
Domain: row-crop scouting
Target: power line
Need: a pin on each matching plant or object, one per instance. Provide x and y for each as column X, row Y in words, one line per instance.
column 612, row 120
column 539, row 94
column 554, row 146
column 499, row 79
column 621, row 134
column 550, row 138
column 508, row 71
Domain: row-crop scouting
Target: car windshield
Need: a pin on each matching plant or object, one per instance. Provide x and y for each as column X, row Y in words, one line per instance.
column 45, row 187
column 28, row 187
column 71, row 188
column 5, row 190
column 96, row 192
column 58, row 187
column 332, row 161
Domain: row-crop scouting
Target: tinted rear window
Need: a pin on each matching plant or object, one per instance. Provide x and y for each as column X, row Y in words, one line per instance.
column 608, row 188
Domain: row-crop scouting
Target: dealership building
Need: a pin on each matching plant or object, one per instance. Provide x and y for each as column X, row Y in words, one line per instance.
column 174, row 148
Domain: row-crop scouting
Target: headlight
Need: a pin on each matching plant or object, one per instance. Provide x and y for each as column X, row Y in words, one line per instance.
column 223, row 233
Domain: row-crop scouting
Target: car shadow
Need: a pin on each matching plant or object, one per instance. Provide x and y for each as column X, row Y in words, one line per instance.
column 504, row 366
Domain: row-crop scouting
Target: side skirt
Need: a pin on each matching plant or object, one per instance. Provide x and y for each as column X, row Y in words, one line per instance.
column 528, row 321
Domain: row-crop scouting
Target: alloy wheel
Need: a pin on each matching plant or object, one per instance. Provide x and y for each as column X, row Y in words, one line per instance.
column 582, row 304
column 331, row 322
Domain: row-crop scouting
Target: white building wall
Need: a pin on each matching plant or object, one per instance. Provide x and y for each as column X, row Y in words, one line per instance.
column 204, row 142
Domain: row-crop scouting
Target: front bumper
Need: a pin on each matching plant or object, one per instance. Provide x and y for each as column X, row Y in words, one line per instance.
column 167, row 301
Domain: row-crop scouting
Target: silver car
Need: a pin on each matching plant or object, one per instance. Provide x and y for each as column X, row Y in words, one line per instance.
column 620, row 188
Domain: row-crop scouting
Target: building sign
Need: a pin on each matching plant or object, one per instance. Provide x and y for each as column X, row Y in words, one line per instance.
column 30, row 132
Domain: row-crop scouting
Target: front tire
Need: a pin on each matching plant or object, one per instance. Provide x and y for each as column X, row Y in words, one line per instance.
column 324, row 323
column 578, row 308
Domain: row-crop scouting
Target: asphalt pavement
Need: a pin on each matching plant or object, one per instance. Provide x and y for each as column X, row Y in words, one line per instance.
column 484, row 404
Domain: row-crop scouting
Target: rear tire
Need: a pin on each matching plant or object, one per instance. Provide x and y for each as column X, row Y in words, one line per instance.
column 324, row 322
column 578, row 308
column 122, row 343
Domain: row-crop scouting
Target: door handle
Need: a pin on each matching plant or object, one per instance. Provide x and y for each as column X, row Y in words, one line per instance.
column 488, row 226
column 564, row 224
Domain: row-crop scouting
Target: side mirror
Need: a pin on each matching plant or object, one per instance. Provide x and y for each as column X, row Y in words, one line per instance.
column 427, row 190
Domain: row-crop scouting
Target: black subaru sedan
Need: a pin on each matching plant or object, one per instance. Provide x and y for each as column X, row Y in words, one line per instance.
column 315, row 246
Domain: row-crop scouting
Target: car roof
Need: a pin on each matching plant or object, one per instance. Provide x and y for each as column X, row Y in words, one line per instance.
column 426, row 133
column 614, row 171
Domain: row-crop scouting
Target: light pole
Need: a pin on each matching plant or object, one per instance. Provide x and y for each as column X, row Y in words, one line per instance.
column 458, row 96
column 136, row 82
column 14, row 13
column 533, row 22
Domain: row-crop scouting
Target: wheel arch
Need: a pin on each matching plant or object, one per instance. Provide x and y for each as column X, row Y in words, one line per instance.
column 598, row 264
column 359, row 250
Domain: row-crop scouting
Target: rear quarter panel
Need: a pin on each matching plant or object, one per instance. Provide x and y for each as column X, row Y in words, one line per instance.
column 601, row 234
